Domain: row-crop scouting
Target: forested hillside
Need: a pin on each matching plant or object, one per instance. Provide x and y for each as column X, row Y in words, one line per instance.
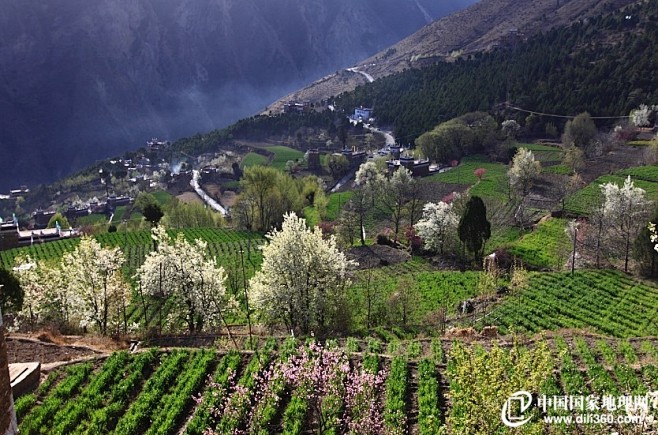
column 605, row 66
column 480, row 27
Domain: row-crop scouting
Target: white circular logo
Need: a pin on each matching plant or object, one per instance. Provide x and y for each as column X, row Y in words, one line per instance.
column 514, row 408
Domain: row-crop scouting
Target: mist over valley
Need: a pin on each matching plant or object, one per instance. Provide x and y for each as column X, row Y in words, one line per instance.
column 82, row 81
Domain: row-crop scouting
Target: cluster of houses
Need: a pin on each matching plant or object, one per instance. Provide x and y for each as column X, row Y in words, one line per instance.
column 15, row 193
column 11, row 236
column 94, row 206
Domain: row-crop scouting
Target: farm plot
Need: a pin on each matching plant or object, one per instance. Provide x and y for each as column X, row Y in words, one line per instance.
column 225, row 244
column 547, row 247
column 492, row 185
column 300, row 388
column 607, row 302
column 253, row 159
column 647, row 173
column 544, row 153
column 415, row 280
column 582, row 202
column 282, row 155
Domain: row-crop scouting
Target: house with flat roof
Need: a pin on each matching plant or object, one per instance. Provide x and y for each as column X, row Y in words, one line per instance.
column 418, row 168
column 362, row 114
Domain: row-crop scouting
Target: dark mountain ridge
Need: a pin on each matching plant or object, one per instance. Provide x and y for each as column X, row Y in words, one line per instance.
column 480, row 27
column 80, row 80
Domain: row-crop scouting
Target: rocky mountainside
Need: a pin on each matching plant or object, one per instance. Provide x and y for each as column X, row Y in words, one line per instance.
column 482, row 26
column 83, row 80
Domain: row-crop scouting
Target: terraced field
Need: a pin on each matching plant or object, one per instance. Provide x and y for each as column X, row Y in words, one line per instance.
column 605, row 301
column 423, row 387
column 582, row 202
column 225, row 244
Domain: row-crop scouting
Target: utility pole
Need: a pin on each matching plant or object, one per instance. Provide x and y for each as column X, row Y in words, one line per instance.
column 246, row 296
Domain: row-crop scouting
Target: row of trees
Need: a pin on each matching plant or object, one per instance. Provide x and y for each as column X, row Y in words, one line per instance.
column 302, row 284
column 396, row 196
column 87, row 289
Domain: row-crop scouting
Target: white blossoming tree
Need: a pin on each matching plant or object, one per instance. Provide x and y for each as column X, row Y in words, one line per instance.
column 439, row 221
column 510, row 127
column 303, row 278
column 624, row 210
column 653, row 235
column 640, row 116
column 368, row 174
column 180, row 273
column 396, row 192
column 368, row 180
column 523, row 171
column 93, row 277
column 44, row 297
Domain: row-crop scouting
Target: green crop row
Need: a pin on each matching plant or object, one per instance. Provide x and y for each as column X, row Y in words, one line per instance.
column 174, row 404
column 26, row 402
column 203, row 418
column 37, row 421
column 75, row 411
column 395, row 415
column 137, row 418
column 429, row 418
column 104, row 418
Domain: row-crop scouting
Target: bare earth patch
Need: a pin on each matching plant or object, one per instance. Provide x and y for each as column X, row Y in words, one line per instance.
column 377, row 255
column 228, row 198
column 189, row 198
column 21, row 350
column 48, row 347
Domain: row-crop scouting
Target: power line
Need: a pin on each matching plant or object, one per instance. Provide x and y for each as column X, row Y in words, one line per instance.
column 553, row 115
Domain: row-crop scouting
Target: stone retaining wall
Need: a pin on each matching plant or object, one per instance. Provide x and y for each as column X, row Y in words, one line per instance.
column 7, row 414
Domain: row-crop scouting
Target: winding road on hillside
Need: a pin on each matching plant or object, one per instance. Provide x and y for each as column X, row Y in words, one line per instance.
column 202, row 193
column 368, row 77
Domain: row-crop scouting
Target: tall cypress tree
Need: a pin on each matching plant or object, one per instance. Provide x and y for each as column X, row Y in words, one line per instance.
column 474, row 228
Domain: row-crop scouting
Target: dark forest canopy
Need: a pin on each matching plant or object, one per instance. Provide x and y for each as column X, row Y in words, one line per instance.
column 605, row 66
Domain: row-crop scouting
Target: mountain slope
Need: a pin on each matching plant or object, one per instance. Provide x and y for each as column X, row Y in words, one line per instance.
column 81, row 80
column 473, row 29
column 604, row 65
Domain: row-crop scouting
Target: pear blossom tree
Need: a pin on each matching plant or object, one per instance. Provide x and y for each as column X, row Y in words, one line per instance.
column 396, row 193
column 303, row 278
column 510, row 127
column 653, row 235
column 523, row 171
column 44, row 299
column 438, row 222
column 521, row 175
column 368, row 180
column 93, row 276
column 368, row 174
column 640, row 116
column 625, row 208
column 181, row 273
